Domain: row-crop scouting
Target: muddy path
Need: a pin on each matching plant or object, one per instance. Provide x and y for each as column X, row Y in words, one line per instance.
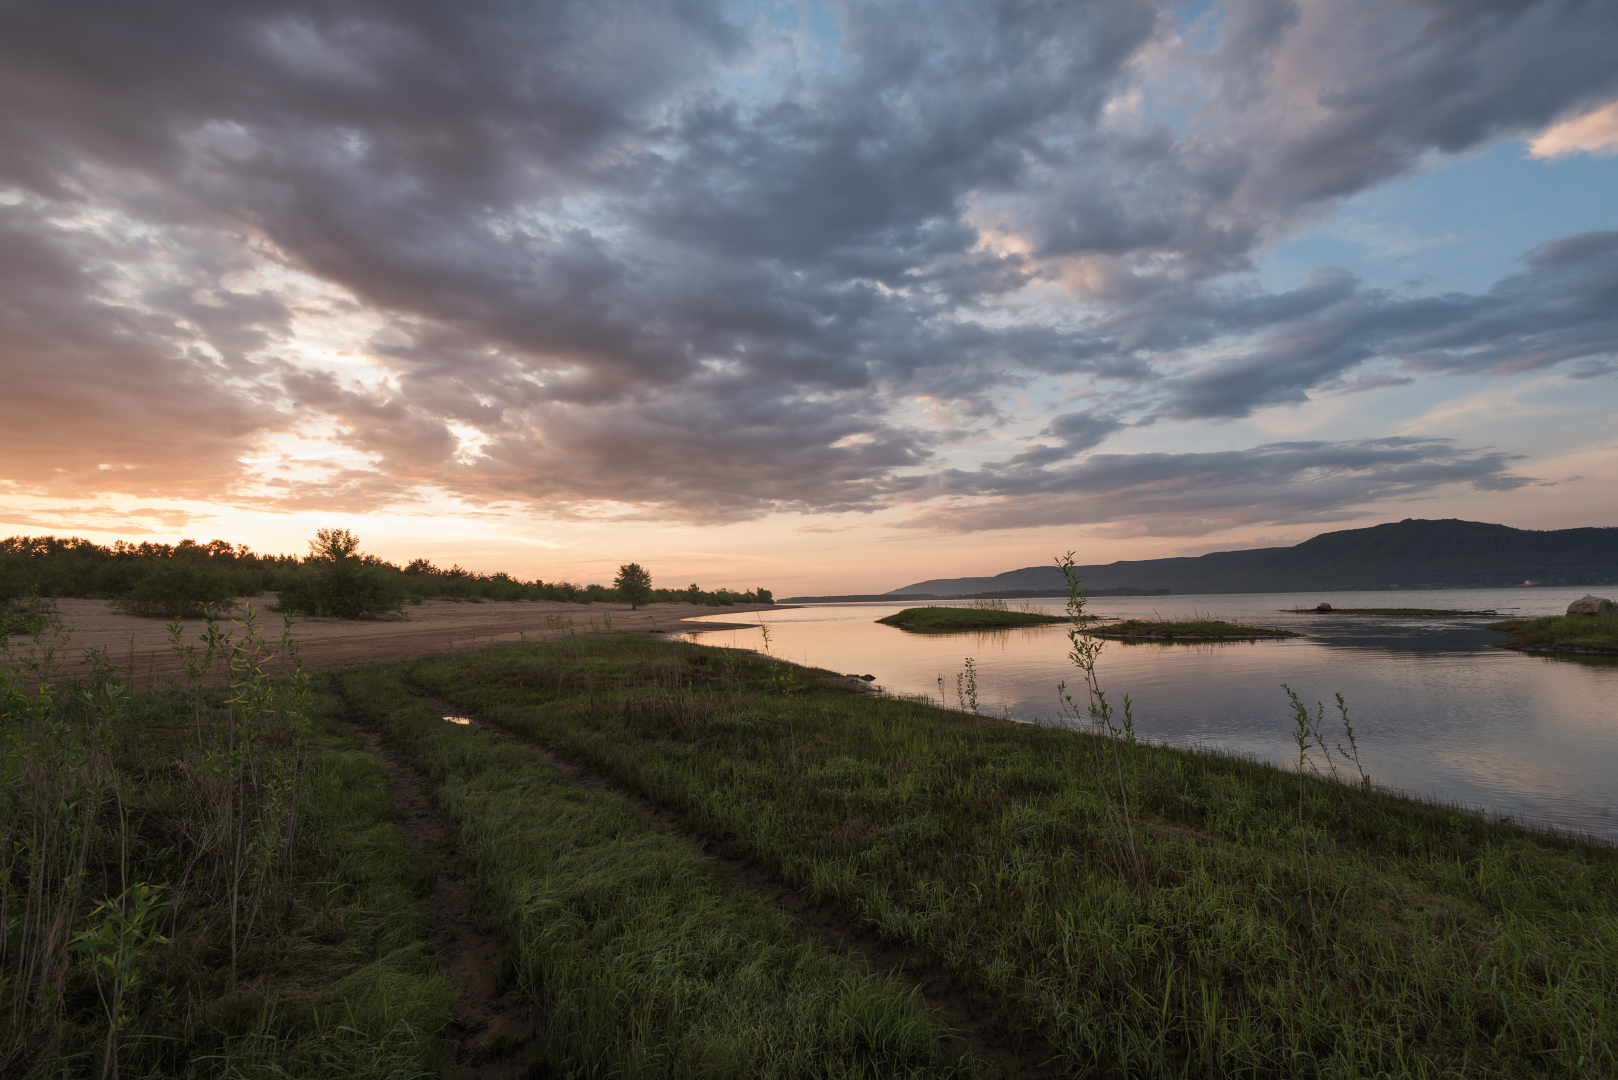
column 496, row 1035
column 985, row 1029
column 141, row 650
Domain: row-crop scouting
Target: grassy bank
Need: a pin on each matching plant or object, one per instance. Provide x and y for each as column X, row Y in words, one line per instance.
column 195, row 887
column 1148, row 911
column 642, row 961
column 1191, row 630
column 934, row 620
column 1562, row 633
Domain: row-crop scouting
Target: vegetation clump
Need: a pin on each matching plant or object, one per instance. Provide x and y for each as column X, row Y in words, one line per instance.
column 1562, row 633
column 179, row 589
column 1391, row 613
column 1186, row 630
column 199, row 883
column 983, row 615
column 337, row 580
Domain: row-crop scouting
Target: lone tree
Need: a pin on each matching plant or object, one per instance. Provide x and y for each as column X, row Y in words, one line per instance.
column 336, row 580
column 633, row 584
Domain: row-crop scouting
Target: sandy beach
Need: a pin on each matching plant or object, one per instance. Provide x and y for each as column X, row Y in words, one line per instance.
column 140, row 647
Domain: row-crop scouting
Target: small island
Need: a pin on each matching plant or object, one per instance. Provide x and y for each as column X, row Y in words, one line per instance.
column 1390, row 612
column 1190, row 631
column 946, row 620
column 1589, row 634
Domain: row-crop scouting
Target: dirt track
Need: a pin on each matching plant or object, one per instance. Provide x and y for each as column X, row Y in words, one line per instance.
column 141, row 650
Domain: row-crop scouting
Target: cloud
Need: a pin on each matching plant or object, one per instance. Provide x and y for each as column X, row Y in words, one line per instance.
column 1192, row 494
column 1077, row 431
column 107, row 395
column 1594, row 132
column 667, row 258
column 1225, row 353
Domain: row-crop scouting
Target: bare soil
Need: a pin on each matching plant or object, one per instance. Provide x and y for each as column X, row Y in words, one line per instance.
column 983, row 1026
column 140, row 648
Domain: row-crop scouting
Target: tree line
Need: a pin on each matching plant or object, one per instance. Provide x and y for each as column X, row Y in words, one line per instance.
column 335, row 578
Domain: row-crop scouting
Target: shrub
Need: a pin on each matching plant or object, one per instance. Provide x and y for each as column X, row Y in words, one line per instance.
column 178, row 589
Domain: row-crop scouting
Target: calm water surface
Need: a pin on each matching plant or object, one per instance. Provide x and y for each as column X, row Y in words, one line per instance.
column 1437, row 709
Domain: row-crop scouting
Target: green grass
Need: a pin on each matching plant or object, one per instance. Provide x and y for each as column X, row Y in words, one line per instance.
column 335, row 979
column 1417, row 940
column 948, row 619
column 642, row 960
column 1563, row 633
column 1190, row 630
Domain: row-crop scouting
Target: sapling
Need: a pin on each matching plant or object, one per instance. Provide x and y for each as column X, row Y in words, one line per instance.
column 1303, row 731
column 1085, row 648
column 966, row 688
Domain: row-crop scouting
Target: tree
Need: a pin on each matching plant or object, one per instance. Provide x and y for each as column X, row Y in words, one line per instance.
column 333, row 545
column 337, row 581
column 634, row 584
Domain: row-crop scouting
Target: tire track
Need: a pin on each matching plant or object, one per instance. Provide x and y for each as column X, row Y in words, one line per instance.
column 497, row 1034
column 984, row 1027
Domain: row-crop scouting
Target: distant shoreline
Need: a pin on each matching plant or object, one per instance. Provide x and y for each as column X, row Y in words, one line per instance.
column 1047, row 594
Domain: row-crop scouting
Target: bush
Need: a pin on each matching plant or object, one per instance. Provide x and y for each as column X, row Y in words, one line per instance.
column 178, row 589
column 336, row 581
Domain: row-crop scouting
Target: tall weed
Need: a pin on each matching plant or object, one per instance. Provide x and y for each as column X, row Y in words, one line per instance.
column 1098, row 715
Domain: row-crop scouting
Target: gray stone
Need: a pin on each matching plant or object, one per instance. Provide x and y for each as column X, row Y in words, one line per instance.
column 1322, row 607
column 1592, row 605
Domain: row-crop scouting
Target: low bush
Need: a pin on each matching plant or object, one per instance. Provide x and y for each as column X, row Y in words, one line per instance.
column 179, row 589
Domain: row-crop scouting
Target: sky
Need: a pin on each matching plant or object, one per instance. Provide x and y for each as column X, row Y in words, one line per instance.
column 821, row 297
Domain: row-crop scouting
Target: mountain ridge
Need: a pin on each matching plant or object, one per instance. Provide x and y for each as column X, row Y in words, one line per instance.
column 1410, row 554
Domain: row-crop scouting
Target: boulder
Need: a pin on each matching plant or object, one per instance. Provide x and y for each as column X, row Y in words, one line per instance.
column 1322, row 607
column 1592, row 605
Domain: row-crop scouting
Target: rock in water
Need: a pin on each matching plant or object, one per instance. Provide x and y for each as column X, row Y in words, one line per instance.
column 1592, row 605
column 1322, row 607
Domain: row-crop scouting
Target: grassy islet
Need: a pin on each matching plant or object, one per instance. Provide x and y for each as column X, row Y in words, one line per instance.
column 935, row 620
column 1562, row 633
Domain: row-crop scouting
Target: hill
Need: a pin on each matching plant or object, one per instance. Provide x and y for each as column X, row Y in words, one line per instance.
column 1408, row 554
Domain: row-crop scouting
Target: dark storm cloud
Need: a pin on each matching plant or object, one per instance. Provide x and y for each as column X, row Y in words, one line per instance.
column 669, row 254
column 1197, row 493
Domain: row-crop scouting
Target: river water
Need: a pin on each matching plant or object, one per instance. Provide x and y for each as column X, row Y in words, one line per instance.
column 1437, row 709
